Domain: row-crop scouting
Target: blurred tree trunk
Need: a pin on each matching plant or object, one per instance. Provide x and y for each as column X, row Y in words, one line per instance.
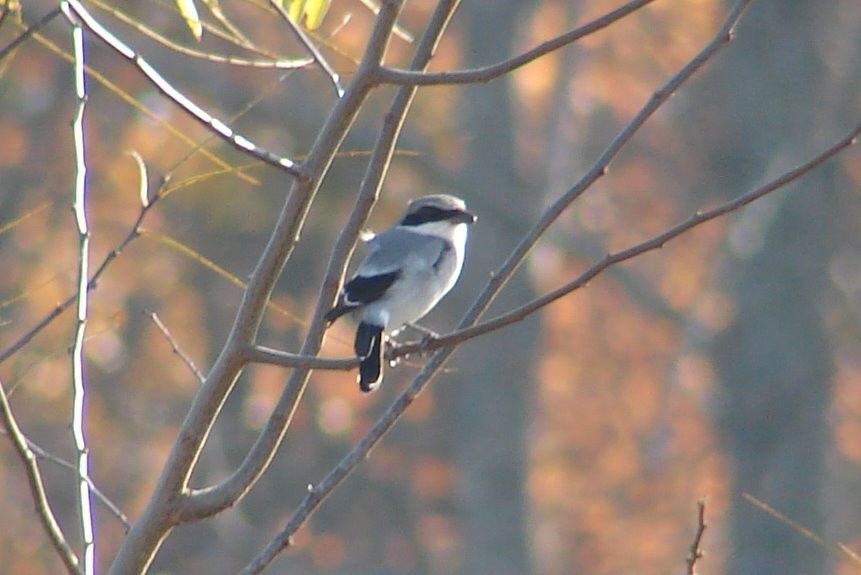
column 497, row 372
column 773, row 360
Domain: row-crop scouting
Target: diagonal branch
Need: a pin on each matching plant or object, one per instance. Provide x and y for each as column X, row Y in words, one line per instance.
column 388, row 75
column 174, row 346
column 133, row 233
column 312, row 49
column 48, row 456
column 213, row 124
column 654, row 243
column 6, row 50
column 266, row 61
column 37, row 489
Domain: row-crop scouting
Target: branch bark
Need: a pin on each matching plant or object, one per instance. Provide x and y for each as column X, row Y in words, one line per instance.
column 37, row 489
column 388, row 75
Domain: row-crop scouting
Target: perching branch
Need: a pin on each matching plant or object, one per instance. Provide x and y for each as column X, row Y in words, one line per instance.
column 205, row 502
column 317, row 494
column 37, row 489
column 653, row 243
column 388, row 75
column 261, row 354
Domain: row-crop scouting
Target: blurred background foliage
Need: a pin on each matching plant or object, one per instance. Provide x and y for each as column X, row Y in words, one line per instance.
column 577, row 441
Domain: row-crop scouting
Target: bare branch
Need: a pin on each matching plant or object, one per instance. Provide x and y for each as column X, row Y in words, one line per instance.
column 696, row 551
column 270, row 60
column 175, row 347
column 839, row 549
column 388, row 75
column 260, row 354
column 215, row 125
column 4, row 52
column 79, row 391
column 48, row 456
column 94, row 280
column 208, row 501
column 651, row 244
column 34, row 479
column 333, row 76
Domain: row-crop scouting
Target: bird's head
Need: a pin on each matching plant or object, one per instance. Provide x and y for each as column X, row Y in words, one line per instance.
column 439, row 214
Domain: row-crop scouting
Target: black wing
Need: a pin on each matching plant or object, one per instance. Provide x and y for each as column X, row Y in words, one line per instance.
column 359, row 291
column 362, row 290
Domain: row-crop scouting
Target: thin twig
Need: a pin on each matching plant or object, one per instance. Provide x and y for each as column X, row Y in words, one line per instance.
column 134, row 232
column 100, row 495
column 211, row 123
column 238, row 36
column 696, row 550
column 487, row 73
column 79, row 390
column 271, row 61
column 839, row 549
column 330, row 73
column 28, row 32
column 37, row 489
column 175, row 347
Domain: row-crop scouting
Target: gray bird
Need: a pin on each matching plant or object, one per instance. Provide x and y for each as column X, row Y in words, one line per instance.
column 408, row 269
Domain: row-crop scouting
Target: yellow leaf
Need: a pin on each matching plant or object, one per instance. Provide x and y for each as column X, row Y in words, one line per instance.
column 296, row 9
column 189, row 12
column 315, row 11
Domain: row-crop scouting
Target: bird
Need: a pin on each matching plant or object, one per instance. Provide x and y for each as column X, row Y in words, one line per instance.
column 407, row 271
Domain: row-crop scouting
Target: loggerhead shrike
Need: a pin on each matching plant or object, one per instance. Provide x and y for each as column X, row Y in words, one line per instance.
column 408, row 270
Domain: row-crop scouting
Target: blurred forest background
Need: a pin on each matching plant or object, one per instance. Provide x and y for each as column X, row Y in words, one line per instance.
column 577, row 441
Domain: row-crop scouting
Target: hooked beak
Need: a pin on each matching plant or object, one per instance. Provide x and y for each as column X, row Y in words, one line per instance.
column 466, row 217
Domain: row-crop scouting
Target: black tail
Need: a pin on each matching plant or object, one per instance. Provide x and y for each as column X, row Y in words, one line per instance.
column 369, row 347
